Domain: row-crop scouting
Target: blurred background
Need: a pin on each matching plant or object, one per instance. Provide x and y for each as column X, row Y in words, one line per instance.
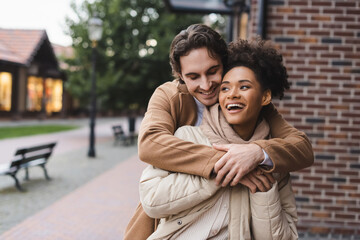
column 47, row 70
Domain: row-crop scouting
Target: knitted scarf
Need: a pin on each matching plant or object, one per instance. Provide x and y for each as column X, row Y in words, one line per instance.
column 219, row 131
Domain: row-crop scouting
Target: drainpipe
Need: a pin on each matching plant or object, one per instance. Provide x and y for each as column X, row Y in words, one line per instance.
column 262, row 17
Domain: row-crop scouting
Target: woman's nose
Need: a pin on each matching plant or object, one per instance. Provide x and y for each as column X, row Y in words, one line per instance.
column 234, row 93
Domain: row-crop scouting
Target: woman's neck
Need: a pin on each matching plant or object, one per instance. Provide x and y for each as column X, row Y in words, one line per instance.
column 246, row 131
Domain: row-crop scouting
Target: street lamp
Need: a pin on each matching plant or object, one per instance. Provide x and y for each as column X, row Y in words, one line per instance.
column 95, row 33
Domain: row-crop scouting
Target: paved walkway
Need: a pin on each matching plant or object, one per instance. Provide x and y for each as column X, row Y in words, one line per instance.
column 86, row 199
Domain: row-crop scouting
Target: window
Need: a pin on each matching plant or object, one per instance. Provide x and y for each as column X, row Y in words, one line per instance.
column 5, row 91
column 34, row 93
column 54, row 92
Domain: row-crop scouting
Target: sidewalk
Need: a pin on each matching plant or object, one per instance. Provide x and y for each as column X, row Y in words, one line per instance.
column 66, row 140
column 86, row 199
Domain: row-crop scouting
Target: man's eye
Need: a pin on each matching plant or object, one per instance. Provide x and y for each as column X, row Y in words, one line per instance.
column 212, row 72
column 224, row 89
column 193, row 77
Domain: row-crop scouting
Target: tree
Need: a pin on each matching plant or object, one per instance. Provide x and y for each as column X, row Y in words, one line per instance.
column 132, row 57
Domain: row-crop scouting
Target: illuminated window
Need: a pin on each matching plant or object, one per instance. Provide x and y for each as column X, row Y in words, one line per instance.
column 34, row 93
column 5, row 91
column 54, row 92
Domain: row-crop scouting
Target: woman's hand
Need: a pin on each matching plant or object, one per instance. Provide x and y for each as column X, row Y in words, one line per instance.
column 257, row 180
column 239, row 160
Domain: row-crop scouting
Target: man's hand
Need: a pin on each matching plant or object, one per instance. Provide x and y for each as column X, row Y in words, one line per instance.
column 258, row 180
column 239, row 160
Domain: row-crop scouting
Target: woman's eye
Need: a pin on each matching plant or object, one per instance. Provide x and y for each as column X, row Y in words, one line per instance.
column 244, row 87
column 224, row 89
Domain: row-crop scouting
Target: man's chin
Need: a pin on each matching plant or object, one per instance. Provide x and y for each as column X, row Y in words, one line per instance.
column 209, row 102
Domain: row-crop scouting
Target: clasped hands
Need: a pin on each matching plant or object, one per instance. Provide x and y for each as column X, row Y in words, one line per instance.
column 240, row 165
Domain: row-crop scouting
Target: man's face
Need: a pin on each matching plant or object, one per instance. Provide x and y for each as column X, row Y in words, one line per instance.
column 241, row 97
column 202, row 75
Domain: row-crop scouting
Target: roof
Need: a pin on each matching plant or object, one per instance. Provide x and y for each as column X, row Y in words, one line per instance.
column 21, row 46
column 63, row 52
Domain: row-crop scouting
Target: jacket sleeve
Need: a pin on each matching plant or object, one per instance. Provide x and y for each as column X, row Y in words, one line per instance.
column 157, row 144
column 163, row 193
column 274, row 215
column 289, row 149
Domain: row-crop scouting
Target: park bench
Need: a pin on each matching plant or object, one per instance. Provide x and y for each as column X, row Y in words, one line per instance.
column 121, row 137
column 28, row 157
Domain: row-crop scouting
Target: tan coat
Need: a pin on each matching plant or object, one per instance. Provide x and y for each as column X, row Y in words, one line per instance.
column 171, row 107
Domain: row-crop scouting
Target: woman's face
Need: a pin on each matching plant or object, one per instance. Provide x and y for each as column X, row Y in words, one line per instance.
column 202, row 75
column 241, row 97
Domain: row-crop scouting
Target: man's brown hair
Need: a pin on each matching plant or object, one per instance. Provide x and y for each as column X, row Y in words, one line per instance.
column 194, row 37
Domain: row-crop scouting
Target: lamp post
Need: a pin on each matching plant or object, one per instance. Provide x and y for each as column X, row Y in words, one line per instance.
column 95, row 33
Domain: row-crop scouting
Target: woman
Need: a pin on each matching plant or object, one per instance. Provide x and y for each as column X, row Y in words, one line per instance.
column 191, row 207
column 197, row 55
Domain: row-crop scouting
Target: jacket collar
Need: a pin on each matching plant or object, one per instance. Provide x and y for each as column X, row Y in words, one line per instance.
column 181, row 86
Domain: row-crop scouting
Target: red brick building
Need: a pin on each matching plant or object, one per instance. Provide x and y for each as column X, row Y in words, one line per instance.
column 320, row 42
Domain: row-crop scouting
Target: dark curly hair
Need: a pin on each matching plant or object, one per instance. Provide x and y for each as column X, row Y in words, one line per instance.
column 194, row 37
column 264, row 60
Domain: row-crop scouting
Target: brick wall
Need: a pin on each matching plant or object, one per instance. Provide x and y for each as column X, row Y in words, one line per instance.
column 320, row 42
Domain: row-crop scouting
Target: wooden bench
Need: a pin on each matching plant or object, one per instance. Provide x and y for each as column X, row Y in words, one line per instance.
column 28, row 157
column 121, row 137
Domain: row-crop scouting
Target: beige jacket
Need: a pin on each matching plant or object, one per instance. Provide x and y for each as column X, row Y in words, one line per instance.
column 180, row 198
column 172, row 106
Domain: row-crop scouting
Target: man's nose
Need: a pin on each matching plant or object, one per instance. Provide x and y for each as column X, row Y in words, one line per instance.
column 205, row 83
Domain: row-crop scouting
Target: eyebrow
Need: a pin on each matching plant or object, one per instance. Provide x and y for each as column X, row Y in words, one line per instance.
column 215, row 66
column 193, row 73
column 240, row 81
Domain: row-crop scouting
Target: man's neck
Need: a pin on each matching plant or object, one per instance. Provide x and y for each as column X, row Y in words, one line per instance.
column 200, row 110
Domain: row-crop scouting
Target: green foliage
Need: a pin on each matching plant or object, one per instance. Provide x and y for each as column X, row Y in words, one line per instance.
column 132, row 56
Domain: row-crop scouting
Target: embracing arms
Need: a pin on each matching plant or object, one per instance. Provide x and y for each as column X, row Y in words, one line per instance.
column 289, row 150
column 170, row 107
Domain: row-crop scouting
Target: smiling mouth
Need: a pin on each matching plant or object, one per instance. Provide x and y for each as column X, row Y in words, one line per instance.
column 234, row 106
column 208, row 92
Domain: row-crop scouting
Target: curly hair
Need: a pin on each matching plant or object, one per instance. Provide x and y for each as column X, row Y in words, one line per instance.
column 264, row 60
column 194, row 37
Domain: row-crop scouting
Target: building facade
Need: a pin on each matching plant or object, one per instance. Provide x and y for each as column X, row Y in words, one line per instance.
column 320, row 42
column 31, row 83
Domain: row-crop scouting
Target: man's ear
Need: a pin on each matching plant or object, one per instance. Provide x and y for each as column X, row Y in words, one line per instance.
column 266, row 97
column 179, row 75
column 180, row 78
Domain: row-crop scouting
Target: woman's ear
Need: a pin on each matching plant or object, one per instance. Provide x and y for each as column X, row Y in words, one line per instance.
column 266, row 97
